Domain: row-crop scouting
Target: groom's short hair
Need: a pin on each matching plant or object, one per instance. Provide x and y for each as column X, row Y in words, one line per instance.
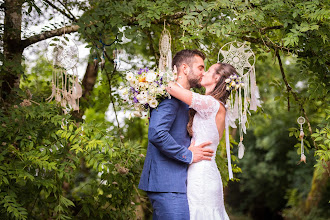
column 186, row 56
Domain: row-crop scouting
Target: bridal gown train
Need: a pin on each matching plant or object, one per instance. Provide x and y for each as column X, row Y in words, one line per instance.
column 204, row 184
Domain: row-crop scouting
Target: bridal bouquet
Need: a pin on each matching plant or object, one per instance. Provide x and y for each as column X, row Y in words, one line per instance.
column 146, row 89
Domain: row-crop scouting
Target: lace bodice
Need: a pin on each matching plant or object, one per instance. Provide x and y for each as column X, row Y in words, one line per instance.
column 204, row 126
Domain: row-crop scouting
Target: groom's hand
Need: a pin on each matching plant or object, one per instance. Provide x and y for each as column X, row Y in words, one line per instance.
column 200, row 152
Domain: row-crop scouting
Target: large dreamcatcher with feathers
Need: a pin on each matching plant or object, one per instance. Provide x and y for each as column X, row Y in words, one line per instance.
column 63, row 53
column 246, row 98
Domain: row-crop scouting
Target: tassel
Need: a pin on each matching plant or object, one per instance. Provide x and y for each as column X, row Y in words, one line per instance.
column 161, row 66
column 301, row 136
column 301, row 121
column 254, row 99
column 230, row 171
column 169, row 60
column 235, row 109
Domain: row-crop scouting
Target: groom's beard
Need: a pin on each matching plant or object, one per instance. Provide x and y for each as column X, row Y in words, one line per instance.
column 194, row 82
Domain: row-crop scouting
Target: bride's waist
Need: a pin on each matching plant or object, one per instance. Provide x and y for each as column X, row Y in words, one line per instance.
column 204, row 163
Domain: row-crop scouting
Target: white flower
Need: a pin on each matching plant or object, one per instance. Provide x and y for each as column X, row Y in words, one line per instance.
column 153, row 103
column 152, row 90
column 134, row 82
column 227, row 80
column 150, row 98
column 129, row 76
column 143, row 98
column 160, row 90
column 151, row 76
column 143, row 85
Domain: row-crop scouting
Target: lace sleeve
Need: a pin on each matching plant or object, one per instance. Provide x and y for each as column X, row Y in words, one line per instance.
column 205, row 105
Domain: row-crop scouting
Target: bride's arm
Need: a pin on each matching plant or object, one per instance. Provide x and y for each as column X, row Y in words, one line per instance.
column 182, row 94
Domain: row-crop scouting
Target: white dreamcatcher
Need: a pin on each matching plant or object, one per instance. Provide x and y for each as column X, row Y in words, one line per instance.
column 246, row 98
column 66, row 89
column 165, row 60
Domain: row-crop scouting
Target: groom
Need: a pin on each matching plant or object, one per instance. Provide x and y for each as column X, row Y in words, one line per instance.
column 164, row 175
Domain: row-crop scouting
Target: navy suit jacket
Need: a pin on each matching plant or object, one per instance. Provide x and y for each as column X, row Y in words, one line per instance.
column 168, row 157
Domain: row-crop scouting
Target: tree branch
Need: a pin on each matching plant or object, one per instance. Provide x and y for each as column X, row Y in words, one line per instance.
column 298, row 100
column 264, row 29
column 75, row 19
column 170, row 19
column 266, row 43
column 48, row 34
column 60, row 10
column 151, row 45
column 73, row 28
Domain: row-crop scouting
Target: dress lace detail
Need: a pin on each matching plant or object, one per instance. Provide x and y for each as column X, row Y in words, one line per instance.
column 204, row 184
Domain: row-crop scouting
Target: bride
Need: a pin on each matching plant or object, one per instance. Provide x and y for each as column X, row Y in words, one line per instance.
column 206, row 123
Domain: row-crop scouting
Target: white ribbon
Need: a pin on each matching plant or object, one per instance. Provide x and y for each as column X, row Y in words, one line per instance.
column 230, row 171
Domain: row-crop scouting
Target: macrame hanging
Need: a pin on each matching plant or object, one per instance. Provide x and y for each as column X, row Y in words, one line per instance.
column 240, row 56
column 165, row 60
column 66, row 89
column 301, row 121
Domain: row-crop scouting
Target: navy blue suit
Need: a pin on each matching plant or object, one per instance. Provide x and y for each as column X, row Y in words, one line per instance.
column 168, row 157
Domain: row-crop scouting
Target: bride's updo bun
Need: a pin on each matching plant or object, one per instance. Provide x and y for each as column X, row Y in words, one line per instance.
column 219, row 92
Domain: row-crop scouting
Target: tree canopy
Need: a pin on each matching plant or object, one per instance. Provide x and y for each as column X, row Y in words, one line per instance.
column 70, row 165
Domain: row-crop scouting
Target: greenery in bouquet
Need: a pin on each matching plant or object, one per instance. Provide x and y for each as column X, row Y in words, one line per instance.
column 146, row 89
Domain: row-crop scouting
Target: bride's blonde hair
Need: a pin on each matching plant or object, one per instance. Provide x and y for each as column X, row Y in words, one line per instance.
column 219, row 92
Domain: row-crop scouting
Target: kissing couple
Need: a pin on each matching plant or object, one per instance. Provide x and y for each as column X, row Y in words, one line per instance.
column 180, row 174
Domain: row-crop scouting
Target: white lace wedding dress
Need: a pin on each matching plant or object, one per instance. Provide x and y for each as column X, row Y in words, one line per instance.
column 204, row 184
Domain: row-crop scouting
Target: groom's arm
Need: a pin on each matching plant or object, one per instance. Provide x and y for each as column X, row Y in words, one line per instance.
column 159, row 126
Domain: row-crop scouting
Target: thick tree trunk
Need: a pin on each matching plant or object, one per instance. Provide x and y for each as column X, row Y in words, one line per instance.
column 318, row 186
column 12, row 47
column 88, row 84
column 89, row 80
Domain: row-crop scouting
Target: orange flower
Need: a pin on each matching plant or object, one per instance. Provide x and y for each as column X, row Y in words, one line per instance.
column 142, row 79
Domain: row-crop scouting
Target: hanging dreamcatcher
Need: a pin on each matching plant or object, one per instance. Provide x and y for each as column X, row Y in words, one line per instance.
column 246, row 98
column 165, row 60
column 66, row 89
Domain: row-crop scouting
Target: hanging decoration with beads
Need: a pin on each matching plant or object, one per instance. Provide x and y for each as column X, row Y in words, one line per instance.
column 301, row 121
column 63, row 53
column 165, row 60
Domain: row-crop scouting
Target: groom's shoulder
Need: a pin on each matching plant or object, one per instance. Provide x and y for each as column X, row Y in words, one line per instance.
column 166, row 104
column 170, row 101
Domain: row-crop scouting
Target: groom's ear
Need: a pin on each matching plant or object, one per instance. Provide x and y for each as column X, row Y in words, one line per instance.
column 185, row 68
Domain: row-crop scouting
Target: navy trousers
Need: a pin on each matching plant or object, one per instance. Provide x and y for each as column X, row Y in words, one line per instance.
column 169, row 206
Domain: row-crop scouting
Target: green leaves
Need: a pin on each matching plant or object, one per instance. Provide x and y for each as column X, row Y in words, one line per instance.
column 322, row 137
column 50, row 167
column 12, row 207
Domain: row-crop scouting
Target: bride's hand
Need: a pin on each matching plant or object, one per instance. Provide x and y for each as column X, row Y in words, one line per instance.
column 170, row 86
